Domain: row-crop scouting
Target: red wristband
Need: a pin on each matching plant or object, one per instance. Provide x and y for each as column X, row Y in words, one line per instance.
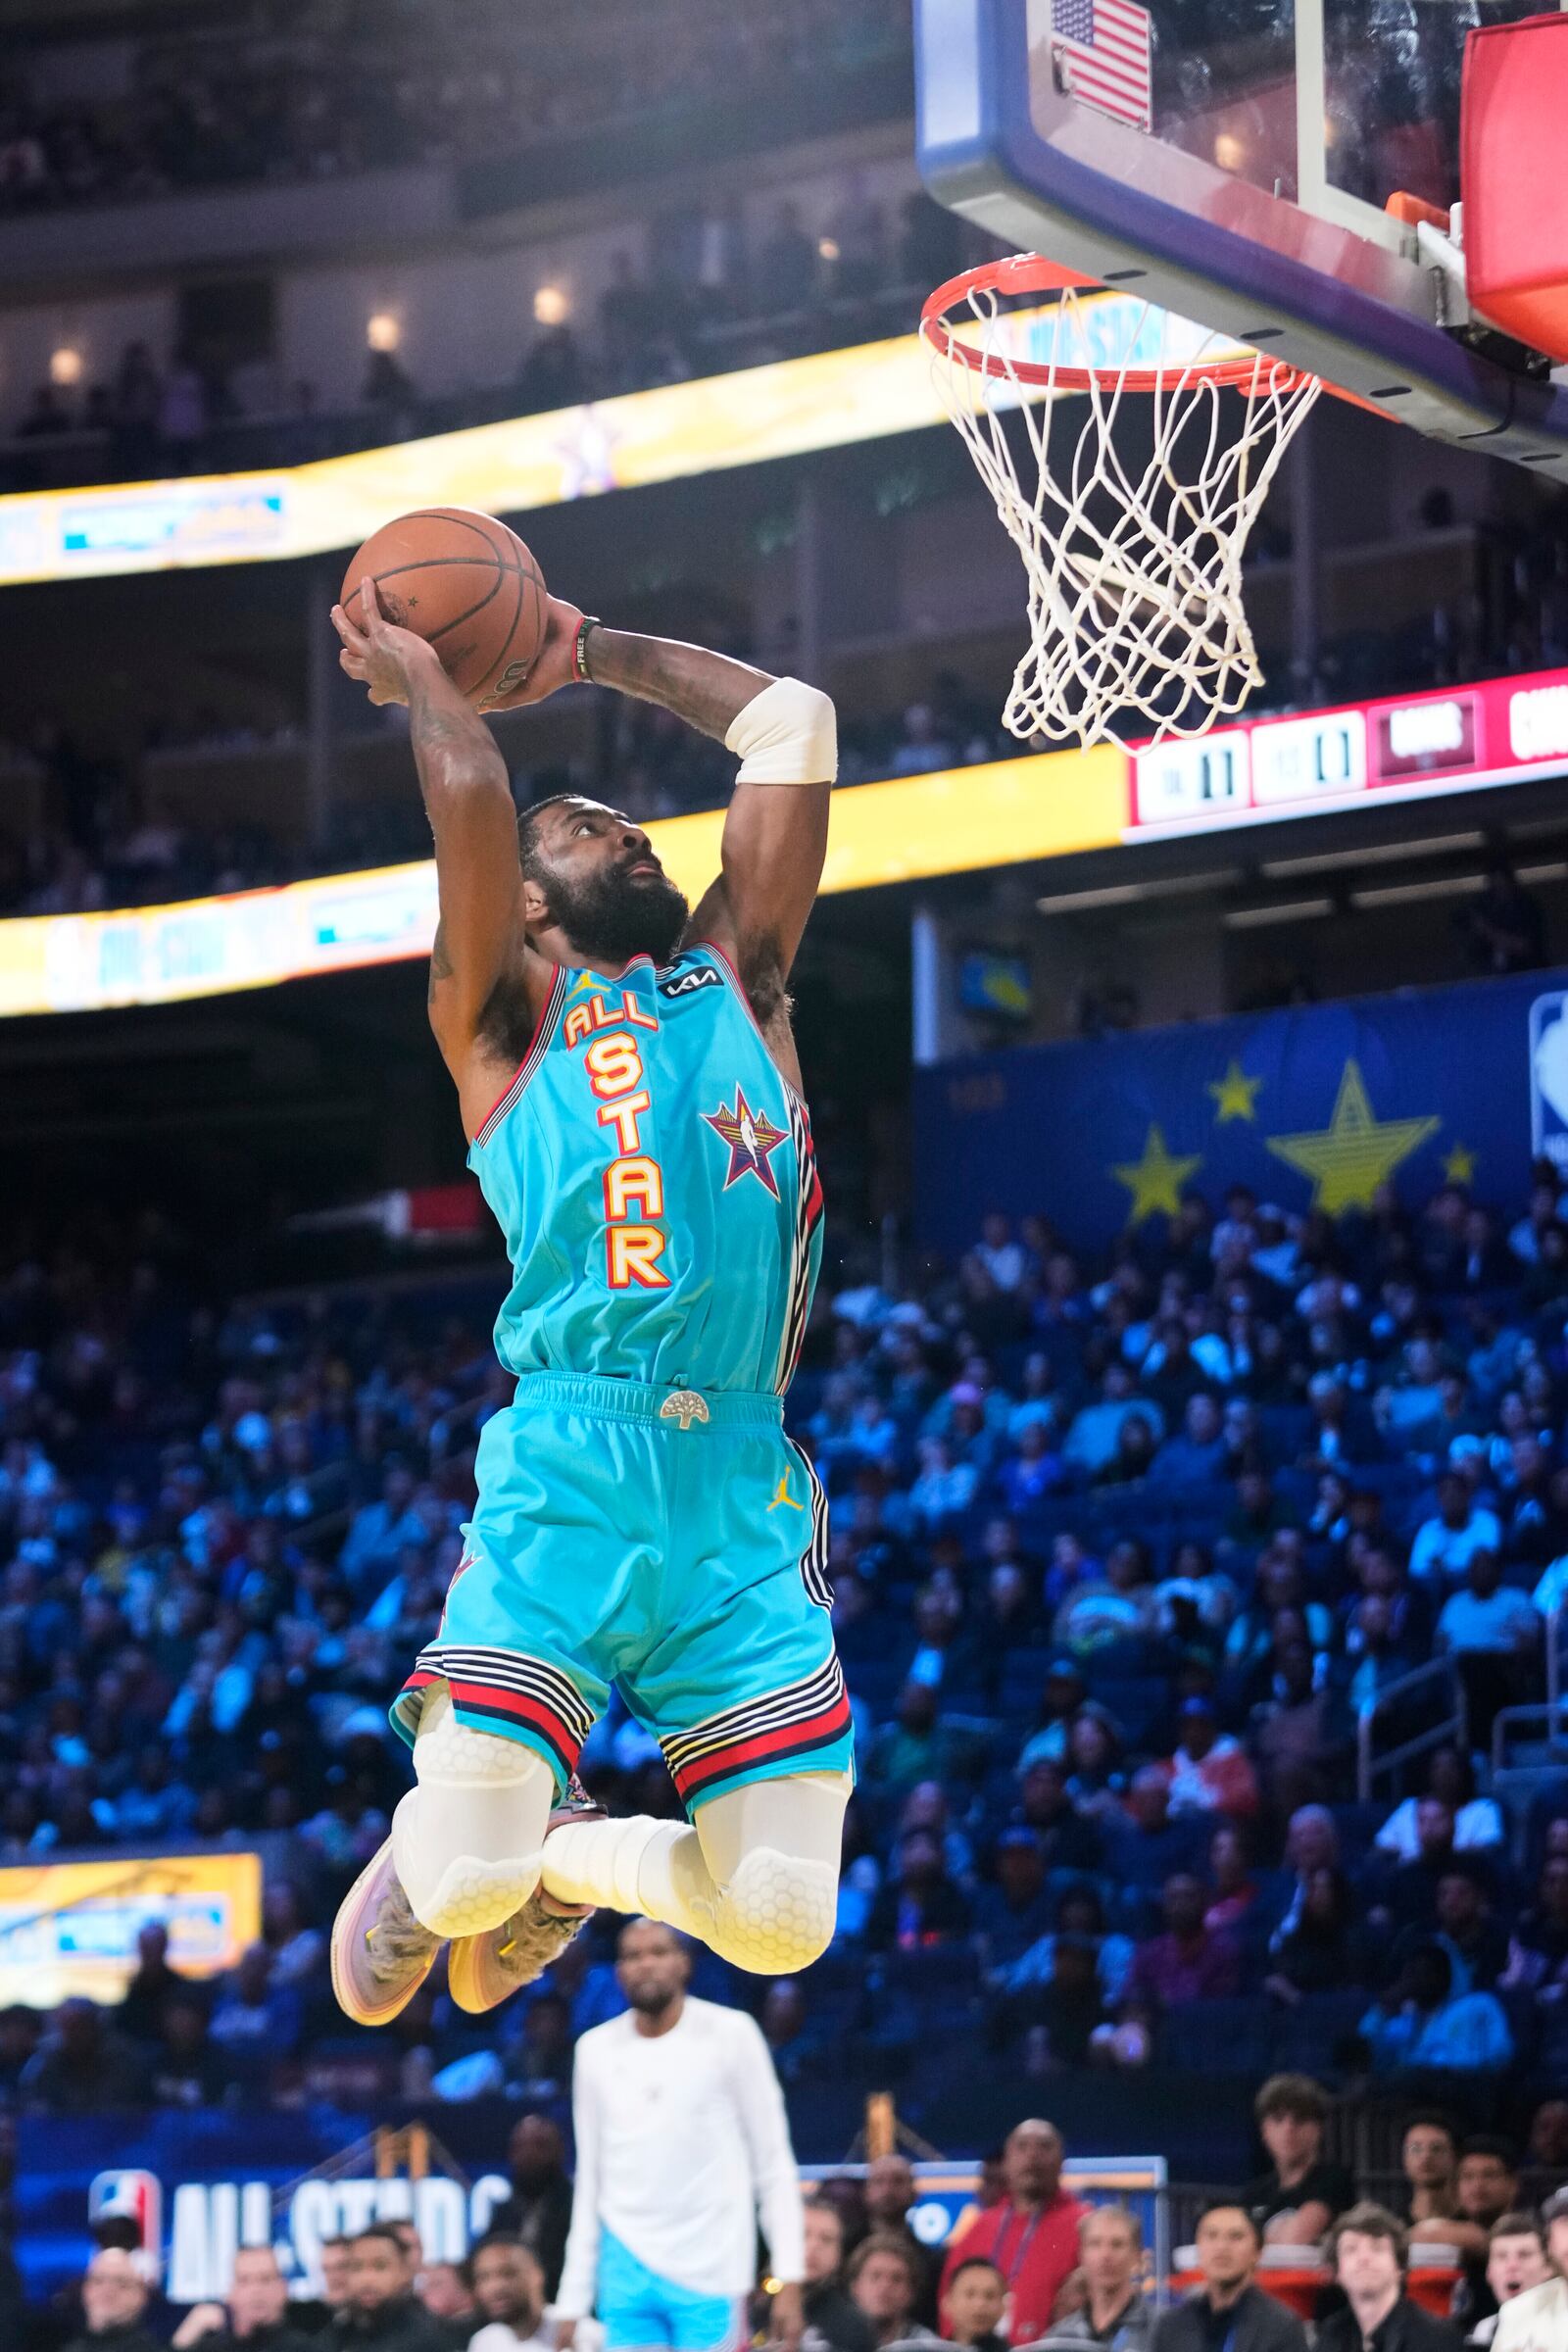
column 579, row 646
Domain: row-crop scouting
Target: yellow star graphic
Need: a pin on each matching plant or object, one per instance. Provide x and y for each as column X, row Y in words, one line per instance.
column 1155, row 1180
column 1233, row 1094
column 1461, row 1165
column 1357, row 1153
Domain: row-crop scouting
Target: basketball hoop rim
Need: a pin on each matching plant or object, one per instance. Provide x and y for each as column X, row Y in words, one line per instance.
column 1033, row 273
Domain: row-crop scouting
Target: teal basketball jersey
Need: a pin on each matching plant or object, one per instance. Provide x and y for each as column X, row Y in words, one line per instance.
column 653, row 1172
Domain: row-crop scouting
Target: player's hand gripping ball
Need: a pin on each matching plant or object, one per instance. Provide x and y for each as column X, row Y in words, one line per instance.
column 464, row 583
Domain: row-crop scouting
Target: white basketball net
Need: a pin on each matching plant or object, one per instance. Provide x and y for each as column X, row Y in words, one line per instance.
column 1149, row 476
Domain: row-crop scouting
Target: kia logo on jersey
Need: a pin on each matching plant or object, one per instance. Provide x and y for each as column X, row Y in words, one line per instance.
column 686, row 984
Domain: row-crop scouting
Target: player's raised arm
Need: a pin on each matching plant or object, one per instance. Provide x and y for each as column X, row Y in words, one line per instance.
column 469, row 800
column 775, row 835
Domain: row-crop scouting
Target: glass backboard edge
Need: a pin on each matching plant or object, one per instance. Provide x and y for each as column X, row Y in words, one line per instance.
column 1083, row 195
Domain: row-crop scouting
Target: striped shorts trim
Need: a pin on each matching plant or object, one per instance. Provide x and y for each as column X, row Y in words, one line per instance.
column 796, row 1722
column 518, row 1694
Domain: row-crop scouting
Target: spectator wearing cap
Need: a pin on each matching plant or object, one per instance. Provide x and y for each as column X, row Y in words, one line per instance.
column 1303, row 2193
column 1114, row 2314
column 1228, row 2313
column 1516, row 2262
column 1013, row 1912
column 1210, row 1772
column 1031, row 2235
column 1080, row 1914
column 1537, row 2321
column 1370, row 2253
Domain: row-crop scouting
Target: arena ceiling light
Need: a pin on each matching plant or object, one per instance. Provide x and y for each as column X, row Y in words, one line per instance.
column 1409, row 893
column 1127, row 893
column 551, row 306
column 65, row 365
column 1259, row 918
column 1382, row 852
column 383, row 330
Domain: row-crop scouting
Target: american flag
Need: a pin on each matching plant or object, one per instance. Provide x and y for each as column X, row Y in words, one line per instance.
column 1102, row 47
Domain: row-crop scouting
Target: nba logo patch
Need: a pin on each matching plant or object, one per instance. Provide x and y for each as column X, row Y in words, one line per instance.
column 1548, row 1078
column 130, row 2198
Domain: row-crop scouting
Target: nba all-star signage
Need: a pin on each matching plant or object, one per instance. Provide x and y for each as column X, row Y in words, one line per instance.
column 1318, row 1108
column 199, row 2183
column 199, row 2186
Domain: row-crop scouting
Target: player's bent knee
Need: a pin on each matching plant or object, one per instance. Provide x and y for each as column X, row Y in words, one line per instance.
column 776, row 1915
column 468, row 1840
column 465, row 1868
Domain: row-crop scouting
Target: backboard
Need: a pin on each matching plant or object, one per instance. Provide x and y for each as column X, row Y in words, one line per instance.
column 1231, row 160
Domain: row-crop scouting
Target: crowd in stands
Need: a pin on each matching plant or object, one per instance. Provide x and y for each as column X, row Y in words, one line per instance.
column 102, row 841
column 1122, row 1552
column 100, row 846
column 694, row 292
column 1454, row 2251
column 279, row 90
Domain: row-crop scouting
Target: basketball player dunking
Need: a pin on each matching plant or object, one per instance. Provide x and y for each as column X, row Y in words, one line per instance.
column 629, row 1087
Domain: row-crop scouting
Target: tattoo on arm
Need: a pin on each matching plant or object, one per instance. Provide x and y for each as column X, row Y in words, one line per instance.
column 444, row 733
column 708, row 690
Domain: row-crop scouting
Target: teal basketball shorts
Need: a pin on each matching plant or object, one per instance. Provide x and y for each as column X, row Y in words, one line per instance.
column 672, row 1541
column 642, row 2312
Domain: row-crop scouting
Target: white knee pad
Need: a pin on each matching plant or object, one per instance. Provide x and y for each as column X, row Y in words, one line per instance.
column 776, row 1914
column 466, row 1840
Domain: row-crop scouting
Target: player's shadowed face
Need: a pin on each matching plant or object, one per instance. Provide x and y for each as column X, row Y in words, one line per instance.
column 603, row 887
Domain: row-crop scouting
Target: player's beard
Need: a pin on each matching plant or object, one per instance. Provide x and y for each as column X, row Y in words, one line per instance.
column 615, row 915
column 652, row 2000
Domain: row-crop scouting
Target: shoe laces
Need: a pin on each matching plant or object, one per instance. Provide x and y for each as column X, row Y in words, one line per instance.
column 396, row 1939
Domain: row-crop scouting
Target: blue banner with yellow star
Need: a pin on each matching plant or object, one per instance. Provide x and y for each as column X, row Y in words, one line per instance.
column 1319, row 1106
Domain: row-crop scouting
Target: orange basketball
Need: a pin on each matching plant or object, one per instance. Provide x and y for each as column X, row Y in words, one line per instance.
column 465, row 584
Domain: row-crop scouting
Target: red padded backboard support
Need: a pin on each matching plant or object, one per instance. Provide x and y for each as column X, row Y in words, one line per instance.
column 1513, row 147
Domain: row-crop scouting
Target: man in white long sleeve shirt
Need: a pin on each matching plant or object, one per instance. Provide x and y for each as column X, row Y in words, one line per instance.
column 682, row 2145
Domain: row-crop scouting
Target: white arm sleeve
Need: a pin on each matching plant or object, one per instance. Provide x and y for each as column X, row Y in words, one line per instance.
column 574, row 2300
column 788, row 734
column 760, row 2106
